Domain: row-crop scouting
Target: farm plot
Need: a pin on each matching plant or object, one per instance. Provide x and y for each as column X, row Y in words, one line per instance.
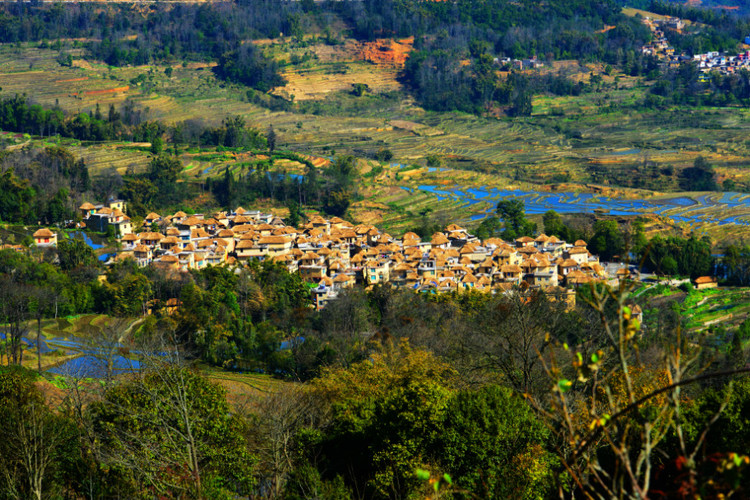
column 35, row 72
column 729, row 306
column 101, row 158
column 319, row 82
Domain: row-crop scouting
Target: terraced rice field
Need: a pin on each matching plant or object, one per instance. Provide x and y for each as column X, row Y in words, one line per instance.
column 725, row 306
column 35, row 72
column 306, row 84
column 101, row 158
column 565, row 137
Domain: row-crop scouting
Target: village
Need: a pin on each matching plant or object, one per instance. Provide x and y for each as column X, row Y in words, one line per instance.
column 333, row 254
column 706, row 63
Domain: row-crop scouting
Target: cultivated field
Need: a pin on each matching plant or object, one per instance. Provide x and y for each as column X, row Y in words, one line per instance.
column 566, row 139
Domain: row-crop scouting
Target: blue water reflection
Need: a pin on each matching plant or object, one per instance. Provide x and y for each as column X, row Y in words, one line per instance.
column 717, row 208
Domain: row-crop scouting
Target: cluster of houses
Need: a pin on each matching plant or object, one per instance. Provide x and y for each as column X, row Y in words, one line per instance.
column 333, row 254
column 107, row 217
column 519, row 64
column 706, row 63
column 723, row 64
column 659, row 46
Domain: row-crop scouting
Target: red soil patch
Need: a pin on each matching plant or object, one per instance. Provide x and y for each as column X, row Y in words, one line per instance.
column 317, row 161
column 104, row 91
column 386, row 51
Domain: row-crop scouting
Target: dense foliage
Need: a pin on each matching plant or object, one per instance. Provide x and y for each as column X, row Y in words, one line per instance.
column 398, row 382
column 41, row 185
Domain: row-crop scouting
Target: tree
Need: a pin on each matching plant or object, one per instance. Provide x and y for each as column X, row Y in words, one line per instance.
column 336, row 202
column 554, row 226
column 495, row 446
column 75, row 253
column 607, row 241
column 384, row 155
column 17, row 199
column 170, row 432
column 511, row 333
column 512, row 213
column 489, row 228
column 280, row 418
column 271, row 138
column 382, row 418
column 157, row 146
column 359, row 89
column 434, row 161
column 43, row 300
column 736, row 263
column 295, row 214
column 164, row 169
column 521, row 104
column 35, row 442
column 248, row 65
column 699, row 177
column 15, row 303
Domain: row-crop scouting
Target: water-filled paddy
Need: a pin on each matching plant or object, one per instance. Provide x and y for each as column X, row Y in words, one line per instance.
column 716, row 208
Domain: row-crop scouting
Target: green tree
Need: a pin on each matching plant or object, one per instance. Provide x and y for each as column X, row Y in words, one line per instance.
column 164, row 169
column 271, row 139
column 171, row 433
column 17, row 199
column 385, row 416
column 157, row 146
column 384, row 155
column 295, row 214
column 494, row 445
column 35, row 442
column 434, row 161
column 336, row 202
column 75, row 253
column 489, row 228
column 359, row 89
column 607, row 241
column 554, row 226
column 700, row 177
column 513, row 215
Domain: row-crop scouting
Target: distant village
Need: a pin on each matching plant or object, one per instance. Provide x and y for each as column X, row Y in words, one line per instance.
column 333, row 254
column 707, row 63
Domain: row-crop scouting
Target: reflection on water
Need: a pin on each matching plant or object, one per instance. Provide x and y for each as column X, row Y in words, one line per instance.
column 94, row 366
column 719, row 208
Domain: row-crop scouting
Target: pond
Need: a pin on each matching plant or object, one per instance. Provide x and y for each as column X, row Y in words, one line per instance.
column 95, row 366
column 92, row 362
column 94, row 241
column 89, row 239
column 31, row 344
column 718, row 208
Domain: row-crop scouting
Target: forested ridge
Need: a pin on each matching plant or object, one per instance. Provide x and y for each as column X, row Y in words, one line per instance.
column 447, row 35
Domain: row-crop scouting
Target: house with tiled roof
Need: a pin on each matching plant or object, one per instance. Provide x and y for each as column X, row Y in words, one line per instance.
column 86, row 209
column 376, row 271
column 705, row 282
column 143, row 255
column 45, row 238
column 152, row 218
